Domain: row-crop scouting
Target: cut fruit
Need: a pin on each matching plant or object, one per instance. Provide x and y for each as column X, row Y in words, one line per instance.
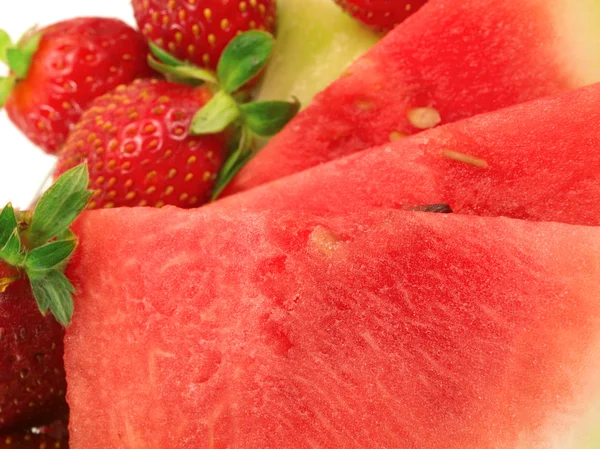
column 451, row 60
column 316, row 42
column 536, row 161
column 380, row 329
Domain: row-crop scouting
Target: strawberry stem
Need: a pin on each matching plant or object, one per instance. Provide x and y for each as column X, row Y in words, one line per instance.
column 236, row 161
column 177, row 70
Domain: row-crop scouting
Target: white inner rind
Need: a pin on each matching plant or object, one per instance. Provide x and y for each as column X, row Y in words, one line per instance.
column 578, row 426
column 578, row 39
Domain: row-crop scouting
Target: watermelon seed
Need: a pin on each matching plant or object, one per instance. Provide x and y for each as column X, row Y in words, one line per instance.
column 465, row 158
column 435, row 208
column 324, row 241
column 424, row 118
column 396, row 135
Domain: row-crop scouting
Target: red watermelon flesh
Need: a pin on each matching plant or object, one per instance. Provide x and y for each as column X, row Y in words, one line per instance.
column 458, row 57
column 383, row 329
column 538, row 160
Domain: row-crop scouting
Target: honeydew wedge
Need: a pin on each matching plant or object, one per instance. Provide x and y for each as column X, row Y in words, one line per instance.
column 316, row 42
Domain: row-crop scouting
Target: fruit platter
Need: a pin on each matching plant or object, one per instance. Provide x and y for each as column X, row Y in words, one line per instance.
column 301, row 224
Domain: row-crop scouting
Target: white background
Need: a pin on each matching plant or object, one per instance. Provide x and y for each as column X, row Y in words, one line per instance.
column 24, row 167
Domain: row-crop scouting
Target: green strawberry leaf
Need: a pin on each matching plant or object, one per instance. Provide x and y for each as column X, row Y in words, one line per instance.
column 228, row 175
column 266, row 118
column 31, row 41
column 59, row 206
column 243, row 58
column 67, row 234
column 18, row 62
column 32, row 30
column 53, row 291
column 5, row 43
column 12, row 252
column 49, row 256
column 240, row 157
column 164, row 56
column 19, row 58
column 8, row 223
column 167, row 64
column 220, row 112
column 183, row 73
column 6, row 86
column 10, row 243
column 40, row 243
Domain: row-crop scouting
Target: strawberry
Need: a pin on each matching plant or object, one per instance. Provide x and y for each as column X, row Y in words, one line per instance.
column 32, row 377
column 55, row 436
column 57, row 71
column 153, row 143
column 137, row 145
column 381, row 15
column 34, row 250
column 198, row 30
column 30, row 440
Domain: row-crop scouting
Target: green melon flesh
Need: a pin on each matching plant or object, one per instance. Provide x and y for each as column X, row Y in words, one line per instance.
column 316, row 42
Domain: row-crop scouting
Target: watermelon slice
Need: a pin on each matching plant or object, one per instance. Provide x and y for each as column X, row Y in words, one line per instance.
column 453, row 59
column 385, row 329
column 538, row 160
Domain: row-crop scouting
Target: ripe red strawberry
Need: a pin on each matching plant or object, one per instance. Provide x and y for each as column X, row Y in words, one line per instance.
column 55, row 436
column 34, row 251
column 137, row 146
column 74, row 62
column 198, row 30
column 30, row 440
column 382, row 15
column 32, row 378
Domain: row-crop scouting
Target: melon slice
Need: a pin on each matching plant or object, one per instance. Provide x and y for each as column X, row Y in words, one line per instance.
column 385, row 329
column 451, row 60
column 316, row 42
column 538, row 160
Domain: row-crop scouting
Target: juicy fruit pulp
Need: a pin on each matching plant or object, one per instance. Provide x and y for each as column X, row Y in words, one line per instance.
column 536, row 161
column 316, row 42
column 76, row 61
column 380, row 329
column 451, row 60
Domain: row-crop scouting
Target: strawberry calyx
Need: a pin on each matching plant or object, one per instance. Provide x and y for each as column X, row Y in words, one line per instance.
column 241, row 61
column 18, row 59
column 40, row 244
column 176, row 70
